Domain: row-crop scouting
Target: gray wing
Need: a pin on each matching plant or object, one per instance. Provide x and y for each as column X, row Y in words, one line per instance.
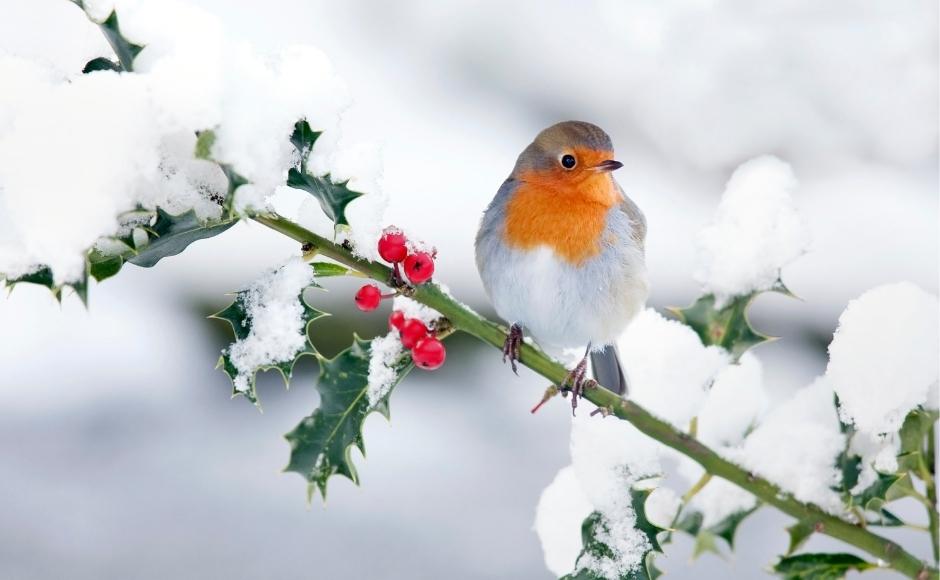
column 637, row 219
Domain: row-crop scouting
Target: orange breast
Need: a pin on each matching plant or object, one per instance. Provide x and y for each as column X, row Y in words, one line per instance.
column 569, row 218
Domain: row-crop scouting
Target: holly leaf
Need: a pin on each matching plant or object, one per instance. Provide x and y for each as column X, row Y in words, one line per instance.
column 799, row 533
column 333, row 197
column 913, row 434
column 171, row 234
column 321, row 444
column 303, row 139
column 236, row 314
column 638, row 499
column 329, row 270
column 727, row 327
column 42, row 276
column 595, row 529
column 125, row 50
column 819, row 566
column 726, row 528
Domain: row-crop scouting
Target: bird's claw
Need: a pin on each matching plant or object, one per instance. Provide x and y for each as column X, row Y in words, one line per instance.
column 512, row 345
column 577, row 383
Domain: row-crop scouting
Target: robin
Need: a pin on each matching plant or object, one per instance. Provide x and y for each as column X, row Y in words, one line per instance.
column 560, row 251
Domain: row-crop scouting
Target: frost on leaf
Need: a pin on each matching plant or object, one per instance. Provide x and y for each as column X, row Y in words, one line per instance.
column 321, row 444
column 333, row 197
column 270, row 320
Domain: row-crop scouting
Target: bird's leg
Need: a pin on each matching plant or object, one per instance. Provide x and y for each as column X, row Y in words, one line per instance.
column 512, row 345
column 575, row 381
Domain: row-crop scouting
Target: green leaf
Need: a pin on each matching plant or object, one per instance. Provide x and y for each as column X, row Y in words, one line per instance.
column 705, row 541
column 171, row 234
column 236, row 314
column 125, row 50
column 819, row 566
column 727, row 327
column 42, row 276
column 638, row 499
column 329, row 269
column 100, row 63
column 321, row 444
column 799, row 533
column 235, row 180
column 690, row 523
column 204, row 142
column 726, row 528
column 333, row 197
column 303, row 138
column 593, row 531
column 887, row 488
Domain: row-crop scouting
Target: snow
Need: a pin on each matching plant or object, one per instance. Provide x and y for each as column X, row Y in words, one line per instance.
column 413, row 309
column 736, row 401
column 797, row 444
column 608, row 457
column 662, row 505
column 130, row 137
column 756, row 231
column 274, row 314
column 385, row 353
column 883, row 356
column 561, row 510
column 668, row 369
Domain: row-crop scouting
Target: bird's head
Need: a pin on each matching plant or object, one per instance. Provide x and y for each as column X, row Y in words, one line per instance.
column 568, row 154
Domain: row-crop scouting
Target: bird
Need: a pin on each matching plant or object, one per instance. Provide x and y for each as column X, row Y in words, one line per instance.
column 561, row 253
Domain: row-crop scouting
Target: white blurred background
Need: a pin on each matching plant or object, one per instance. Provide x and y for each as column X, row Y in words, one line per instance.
column 123, row 456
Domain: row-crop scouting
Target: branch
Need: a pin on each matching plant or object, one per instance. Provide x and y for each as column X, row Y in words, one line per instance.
column 466, row 320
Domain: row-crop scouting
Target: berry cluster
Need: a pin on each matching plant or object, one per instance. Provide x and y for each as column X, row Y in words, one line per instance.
column 426, row 350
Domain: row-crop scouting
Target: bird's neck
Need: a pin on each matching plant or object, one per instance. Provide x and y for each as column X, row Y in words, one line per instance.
column 569, row 218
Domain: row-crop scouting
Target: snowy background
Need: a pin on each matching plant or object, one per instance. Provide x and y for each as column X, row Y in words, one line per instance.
column 123, row 455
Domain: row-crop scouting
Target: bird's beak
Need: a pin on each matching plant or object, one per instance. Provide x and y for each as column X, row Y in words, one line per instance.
column 607, row 165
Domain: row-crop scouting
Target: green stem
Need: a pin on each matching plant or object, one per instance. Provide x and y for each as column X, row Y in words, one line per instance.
column 466, row 320
column 929, row 477
column 699, row 485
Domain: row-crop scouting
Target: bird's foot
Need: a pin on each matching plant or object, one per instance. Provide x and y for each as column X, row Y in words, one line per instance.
column 576, row 383
column 512, row 345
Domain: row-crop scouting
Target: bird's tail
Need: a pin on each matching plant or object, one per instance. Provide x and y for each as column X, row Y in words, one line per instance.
column 607, row 369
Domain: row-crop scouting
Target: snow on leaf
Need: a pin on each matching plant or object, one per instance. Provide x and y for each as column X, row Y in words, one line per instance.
column 727, row 327
column 171, row 234
column 819, row 566
column 599, row 560
column 270, row 320
column 321, row 443
column 125, row 50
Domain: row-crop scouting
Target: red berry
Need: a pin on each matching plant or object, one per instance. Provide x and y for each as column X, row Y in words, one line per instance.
column 429, row 353
column 368, row 297
column 392, row 245
column 419, row 267
column 396, row 320
column 412, row 331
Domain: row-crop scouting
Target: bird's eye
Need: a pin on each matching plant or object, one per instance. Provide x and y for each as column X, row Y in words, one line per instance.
column 568, row 161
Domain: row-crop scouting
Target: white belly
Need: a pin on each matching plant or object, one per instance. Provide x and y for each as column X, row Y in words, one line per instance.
column 564, row 306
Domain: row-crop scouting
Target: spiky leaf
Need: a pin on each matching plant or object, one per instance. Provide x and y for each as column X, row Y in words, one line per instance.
column 638, row 499
column 819, row 566
column 726, row 528
column 329, row 269
column 595, row 529
column 238, row 317
column 333, row 197
column 171, row 234
column 42, row 276
column 799, row 533
column 303, row 138
column 125, row 50
column 322, row 442
column 885, row 489
column 727, row 327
